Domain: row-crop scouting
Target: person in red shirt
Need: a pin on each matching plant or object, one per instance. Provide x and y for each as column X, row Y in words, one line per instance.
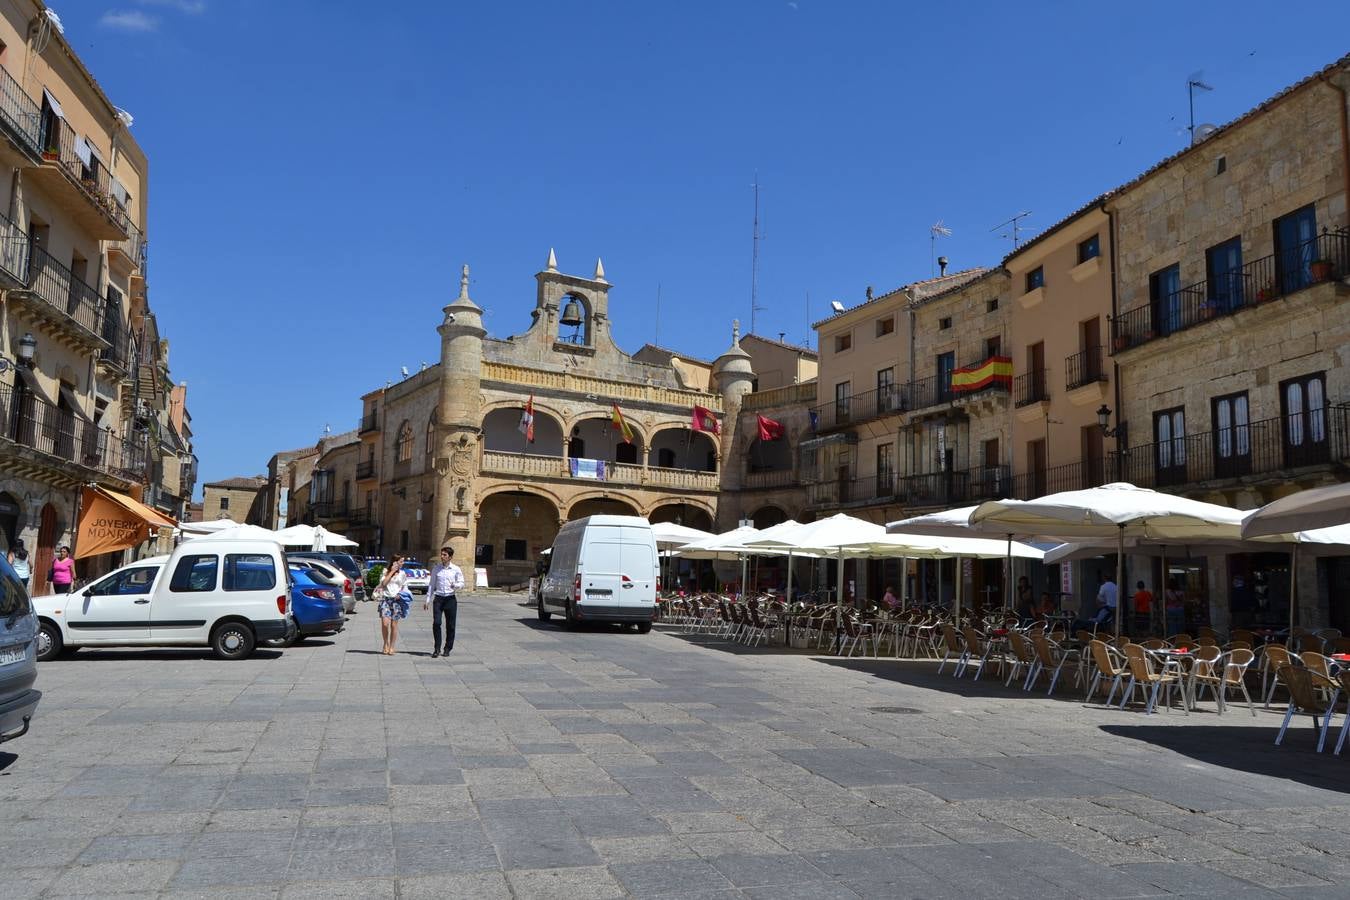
column 1143, row 608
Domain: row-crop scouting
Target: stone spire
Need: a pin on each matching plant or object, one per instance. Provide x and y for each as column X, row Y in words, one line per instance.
column 599, row 269
column 464, row 282
column 552, row 261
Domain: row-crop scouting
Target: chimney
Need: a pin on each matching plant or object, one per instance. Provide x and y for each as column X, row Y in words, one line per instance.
column 942, row 266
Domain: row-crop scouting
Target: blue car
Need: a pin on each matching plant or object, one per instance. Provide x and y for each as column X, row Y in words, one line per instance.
column 316, row 607
column 18, row 656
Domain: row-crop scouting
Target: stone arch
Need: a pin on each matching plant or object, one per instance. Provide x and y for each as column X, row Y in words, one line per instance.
column 522, row 488
column 584, row 334
column 514, row 526
column 768, row 456
column 768, row 515
column 680, row 447
column 403, row 442
column 596, row 434
column 690, row 511
column 501, row 430
column 594, row 503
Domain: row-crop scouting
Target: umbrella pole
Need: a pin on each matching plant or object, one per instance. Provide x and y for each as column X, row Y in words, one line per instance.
column 1008, row 576
column 1161, row 593
column 1120, row 572
column 839, row 596
column 744, row 566
column 939, row 589
column 959, row 582
column 1293, row 588
column 904, row 582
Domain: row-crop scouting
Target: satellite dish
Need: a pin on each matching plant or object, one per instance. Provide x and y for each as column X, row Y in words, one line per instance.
column 1203, row 131
column 403, row 370
column 836, row 306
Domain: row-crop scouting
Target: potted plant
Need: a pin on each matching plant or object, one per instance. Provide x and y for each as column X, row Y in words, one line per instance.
column 51, row 155
column 1266, row 292
column 1320, row 269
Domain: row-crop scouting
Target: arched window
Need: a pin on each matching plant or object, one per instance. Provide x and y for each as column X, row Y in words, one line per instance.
column 403, row 449
column 431, row 435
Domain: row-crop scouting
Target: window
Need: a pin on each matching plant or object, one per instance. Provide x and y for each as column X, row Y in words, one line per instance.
column 515, row 549
column 885, row 389
column 1295, row 249
column 946, row 364
column 991, row 305
column 249, row 572
column 128, row 581
column 1303, row 405
column 224, row 503
column 843, row 391
column 403, row 448
column 403, row 541
column 1089, row 249
column 194, row 574
column 885, row 326
column 944, row 323
column 1169, row 435
column 843, row 342
column 1036, row 468
column 1164, row 295
column 624, row 453
column 993, row 346
column 885, row 470
column 431, row 436
column 1223, row 268
column 665, row 458
column 1232, row 436
column 1035, row 278
column 1220, row 165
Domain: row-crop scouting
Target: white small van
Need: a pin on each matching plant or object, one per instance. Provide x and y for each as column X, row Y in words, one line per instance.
column 223, row 593
column 602, row 569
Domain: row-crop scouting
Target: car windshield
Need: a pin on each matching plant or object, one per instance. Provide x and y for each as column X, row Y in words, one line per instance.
column 346, row 564
column 13, row 598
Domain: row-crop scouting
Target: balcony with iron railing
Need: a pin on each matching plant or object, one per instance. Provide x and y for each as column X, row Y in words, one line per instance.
column 368, row 423
column 330, row 509
column 14, row 249
column 1083, row 368
column 57, row 295
column 365, row 470
column 858, row 408
column 130, row 252
column 955, row 487
column 1268, row 449
column 79, row 181
column 769, row 478
column 28, row 421
column 20, row 117
column 1325, row 258
column 1031, row 387
column 1075, row 476
column 120, row 354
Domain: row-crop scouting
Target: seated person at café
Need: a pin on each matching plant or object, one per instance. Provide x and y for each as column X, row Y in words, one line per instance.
column 889, row 599
column 1047, row 607
column 1025, row 611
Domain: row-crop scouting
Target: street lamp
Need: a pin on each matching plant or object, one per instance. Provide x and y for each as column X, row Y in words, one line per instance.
column 27, row 347
column 515, row 511
column 1104, row 421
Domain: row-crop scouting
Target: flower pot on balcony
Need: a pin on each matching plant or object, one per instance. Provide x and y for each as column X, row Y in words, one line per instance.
column 1121, row 342
column 1320, row 269
column 50, row 155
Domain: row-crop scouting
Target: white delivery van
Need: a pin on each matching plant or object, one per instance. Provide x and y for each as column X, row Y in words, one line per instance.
column 602, row 569
column 224, row 593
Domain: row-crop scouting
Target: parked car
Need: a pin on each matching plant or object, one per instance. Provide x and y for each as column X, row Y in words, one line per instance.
column 315, row 605
column 18, row 656
column 226, row 593
column 419, row 576
column 345, row 563
column 602, row 569
column 332, row 576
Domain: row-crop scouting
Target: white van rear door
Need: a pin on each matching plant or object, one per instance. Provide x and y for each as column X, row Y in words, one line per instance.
column 638, row 586
column 601, row 565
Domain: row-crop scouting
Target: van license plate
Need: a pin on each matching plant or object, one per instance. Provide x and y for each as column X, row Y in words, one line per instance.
column 11, row 655
column 596, row 592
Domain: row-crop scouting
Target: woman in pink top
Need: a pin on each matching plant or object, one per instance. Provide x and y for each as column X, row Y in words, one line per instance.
column 63, row 571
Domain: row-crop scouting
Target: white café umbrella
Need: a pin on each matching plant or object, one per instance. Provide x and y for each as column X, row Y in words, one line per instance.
column 956, row 523
column 720, row 546
column 196, row 529
column 237, row 532
column 1316, row 508
column 1117, row 510
column 770, row 533
column 670, row 535
column 315, row 537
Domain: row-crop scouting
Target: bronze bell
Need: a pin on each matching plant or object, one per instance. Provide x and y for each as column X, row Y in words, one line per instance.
column 571, row 314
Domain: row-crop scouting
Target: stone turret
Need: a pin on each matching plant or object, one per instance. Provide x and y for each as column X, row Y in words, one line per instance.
column 735, row 377
column 459, row 419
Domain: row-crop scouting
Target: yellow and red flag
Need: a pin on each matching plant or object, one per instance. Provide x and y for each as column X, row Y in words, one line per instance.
column 620, row 425
column 996, row 370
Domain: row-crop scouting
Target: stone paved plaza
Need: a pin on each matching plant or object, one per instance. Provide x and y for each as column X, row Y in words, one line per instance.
column 541, row 763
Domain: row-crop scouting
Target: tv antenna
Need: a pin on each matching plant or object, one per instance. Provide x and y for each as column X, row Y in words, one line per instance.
column 1015, row 233
column 754, row 263
column 935, row 231
column 656, row 339
column 1195, row 81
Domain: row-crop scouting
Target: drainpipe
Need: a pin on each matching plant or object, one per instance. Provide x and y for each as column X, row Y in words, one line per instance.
column 1115, row 366
column 1345, row 131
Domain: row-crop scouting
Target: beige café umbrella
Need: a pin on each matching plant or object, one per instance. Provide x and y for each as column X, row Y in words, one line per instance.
column 956, row 523
column 1316, row 508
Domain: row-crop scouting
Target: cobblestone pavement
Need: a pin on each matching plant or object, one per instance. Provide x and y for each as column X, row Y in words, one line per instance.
column 542, row 763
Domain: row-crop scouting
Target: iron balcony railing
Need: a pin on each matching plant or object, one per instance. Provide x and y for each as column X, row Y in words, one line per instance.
column 93, row 176
column 133, row 248
column 859, row 408
column 934, row 390
column 367, row 423
column 121, row 349
column 955, row 487
column 1084, row 368
column 1031, row 387
column 14, row 250
column 1070, row 477
column 19, row 115
column 330, row 509
column 1267, row 447
column 32, row 422
column 365, row 469
column 61, row 289
column 1324, row 258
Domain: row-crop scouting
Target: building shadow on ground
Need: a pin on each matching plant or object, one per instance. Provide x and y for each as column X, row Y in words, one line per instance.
column 556, row 624
column 737, row 648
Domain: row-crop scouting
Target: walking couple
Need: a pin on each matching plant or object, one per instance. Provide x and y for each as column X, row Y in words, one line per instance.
column 395, row 601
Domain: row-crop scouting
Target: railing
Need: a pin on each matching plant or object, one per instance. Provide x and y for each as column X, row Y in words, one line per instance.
column 59, row 287
column 187, row 477
column 607, row 390
column 1071, row 477
column 14, row 249
column 1267, row 447
column 1324, row 258
column 524, row 464
column 1031, row 387
column 934, row 390
column 330, row 509
column 788, row 395
column 1083, row 368
column 32, row 422
column 365, row 470
column 367, row 423
column 770, row 479
column 121, row 349
column 955, row 487
column 92, row 176
column 19, row 114
column 133, row 248
column 859, row 408
column 360, row 518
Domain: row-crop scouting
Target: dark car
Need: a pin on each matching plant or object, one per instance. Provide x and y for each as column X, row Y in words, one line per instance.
column 345, row 563
column 18, row 656
column 316, row 607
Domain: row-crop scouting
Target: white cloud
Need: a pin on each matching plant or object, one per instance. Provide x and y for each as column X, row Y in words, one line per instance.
column 191, row 7
column 129, row 20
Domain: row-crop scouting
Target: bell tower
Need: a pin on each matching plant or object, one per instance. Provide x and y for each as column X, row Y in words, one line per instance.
column 459, row 419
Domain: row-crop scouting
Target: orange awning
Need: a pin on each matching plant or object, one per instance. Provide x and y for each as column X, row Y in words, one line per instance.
column 110, row 521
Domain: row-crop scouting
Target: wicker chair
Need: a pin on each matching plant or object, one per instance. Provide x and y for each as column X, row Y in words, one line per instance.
column 1107, row 666
column 1228, row 673
column 1308, row 693
column 1149, row 681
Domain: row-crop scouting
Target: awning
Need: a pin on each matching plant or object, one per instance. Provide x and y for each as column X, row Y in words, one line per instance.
column 83, row 150
column 34, row 387
column 68, row 394
column 110, row 521
column 51, row 101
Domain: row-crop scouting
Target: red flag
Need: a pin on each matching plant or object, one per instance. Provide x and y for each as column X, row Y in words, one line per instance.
column 704, row 420
column 527, row 421
column 769, row 430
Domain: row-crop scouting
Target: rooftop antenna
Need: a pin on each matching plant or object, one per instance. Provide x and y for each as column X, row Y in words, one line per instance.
column 754, row 262
column 1195, row 81
column 1016, row 233
column 935, row 231
column 806, row 320
column 656, row 338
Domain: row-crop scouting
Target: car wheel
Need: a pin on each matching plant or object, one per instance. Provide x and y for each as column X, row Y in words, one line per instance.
column 544, row 615
column 644, row 627
column 232, row 640
column 49, row 643
column 570, row 618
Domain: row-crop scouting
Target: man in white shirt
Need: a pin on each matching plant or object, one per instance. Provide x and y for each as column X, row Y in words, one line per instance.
column 1107, row 599
column 446, row 579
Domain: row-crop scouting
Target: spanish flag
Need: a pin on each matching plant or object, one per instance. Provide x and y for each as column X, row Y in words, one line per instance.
column 996, row 370
column 619, row 425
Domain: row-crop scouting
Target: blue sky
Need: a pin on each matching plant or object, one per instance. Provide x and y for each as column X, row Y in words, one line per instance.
column 320, row 170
